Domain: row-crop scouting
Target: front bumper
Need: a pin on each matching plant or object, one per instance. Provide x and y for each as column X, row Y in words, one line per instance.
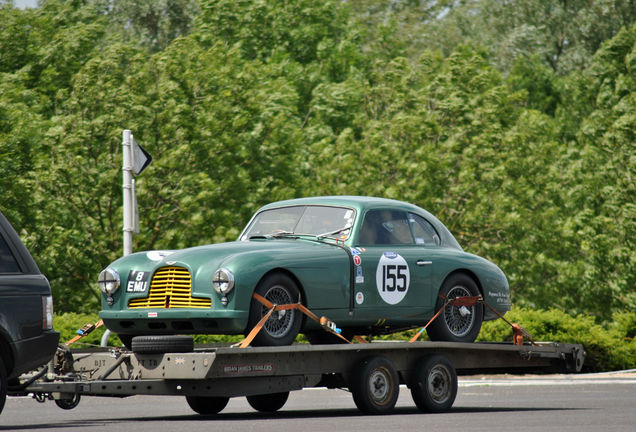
column 174, row 321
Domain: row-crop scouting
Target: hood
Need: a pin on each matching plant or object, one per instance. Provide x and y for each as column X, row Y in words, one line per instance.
column 214, row 255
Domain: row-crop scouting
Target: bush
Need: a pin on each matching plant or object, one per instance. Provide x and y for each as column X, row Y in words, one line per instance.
column 610, row 346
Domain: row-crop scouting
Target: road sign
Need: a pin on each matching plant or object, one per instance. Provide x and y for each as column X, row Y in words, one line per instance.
column 141, row 158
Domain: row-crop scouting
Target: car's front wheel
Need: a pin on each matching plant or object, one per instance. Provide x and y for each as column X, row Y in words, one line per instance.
column 457, row 323
column 283, row 326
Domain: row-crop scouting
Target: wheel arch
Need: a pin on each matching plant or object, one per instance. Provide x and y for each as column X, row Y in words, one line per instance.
column 468, row 273
column 293, row 277
column 6, row 353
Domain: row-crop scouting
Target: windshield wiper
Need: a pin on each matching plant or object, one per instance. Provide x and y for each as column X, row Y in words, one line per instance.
column 333, row 233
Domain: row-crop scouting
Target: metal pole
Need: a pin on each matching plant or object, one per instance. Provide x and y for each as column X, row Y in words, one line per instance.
column 127, row 168
column 129, row 227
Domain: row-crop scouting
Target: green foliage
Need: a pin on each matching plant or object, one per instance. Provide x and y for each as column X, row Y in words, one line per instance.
column 521, row 143
column 68, row 323
column 608, row 347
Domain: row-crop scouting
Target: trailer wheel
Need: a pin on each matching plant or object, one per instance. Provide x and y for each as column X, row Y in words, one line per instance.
column 162, row 344
column 68, row 404
column 457, row 324
column 434, row 384
column 3, row 384
column 375, row 386
column 207, row 405
column 282, row 326
column 268, row 402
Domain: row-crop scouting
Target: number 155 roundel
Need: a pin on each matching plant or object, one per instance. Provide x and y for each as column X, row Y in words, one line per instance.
column 371, row 265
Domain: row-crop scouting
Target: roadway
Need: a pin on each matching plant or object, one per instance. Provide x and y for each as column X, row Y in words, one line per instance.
column 599, row 402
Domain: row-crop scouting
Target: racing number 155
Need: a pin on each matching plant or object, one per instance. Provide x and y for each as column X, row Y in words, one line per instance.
column 394, row 277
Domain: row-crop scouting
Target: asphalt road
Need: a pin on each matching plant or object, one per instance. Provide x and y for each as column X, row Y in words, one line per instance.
column 605, row 402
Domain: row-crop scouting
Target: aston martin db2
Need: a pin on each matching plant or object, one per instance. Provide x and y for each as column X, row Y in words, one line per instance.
column 371, row 265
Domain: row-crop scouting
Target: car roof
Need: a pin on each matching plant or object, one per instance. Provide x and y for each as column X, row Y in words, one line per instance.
column 360, row 203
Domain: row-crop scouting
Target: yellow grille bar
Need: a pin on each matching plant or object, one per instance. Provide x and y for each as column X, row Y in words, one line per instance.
column 170, row 288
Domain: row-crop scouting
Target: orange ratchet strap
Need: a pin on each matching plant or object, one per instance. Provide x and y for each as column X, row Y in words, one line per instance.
column 518, row 332
column 88, row 328
column 323, row 321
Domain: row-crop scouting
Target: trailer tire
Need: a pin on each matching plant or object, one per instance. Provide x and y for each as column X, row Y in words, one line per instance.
column 453, row 325
column 433, row 384
column 207, row 405
column 68, row 404
column 375, row 386
column 3, row 384
column 268, row 403
column 162, row 344
column 283, row 326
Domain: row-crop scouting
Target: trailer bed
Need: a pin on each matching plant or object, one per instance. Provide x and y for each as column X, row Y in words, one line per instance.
column 224, row 372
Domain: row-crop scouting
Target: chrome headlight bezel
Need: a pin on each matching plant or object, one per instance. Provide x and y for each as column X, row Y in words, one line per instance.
column 223, row 281
column 108, row 281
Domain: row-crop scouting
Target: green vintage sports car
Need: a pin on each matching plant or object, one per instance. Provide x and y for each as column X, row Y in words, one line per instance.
column 371, row 265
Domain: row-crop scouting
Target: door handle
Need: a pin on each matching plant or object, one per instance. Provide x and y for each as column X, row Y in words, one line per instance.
column 423, row 262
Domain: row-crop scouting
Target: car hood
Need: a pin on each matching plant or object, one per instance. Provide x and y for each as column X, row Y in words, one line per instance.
column 215, row 255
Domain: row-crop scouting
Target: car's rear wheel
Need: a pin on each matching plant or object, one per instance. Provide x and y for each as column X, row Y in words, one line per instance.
column 3, row 384
column 457, row 324
column 282, row 326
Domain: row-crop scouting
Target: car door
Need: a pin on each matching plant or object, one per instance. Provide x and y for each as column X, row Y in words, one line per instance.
column 393, row 274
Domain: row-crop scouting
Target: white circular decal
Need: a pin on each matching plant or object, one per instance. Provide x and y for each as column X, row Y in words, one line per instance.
column 392, row 277
column 359, row 298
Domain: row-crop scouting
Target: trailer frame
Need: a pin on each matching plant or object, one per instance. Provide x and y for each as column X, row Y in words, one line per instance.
column 216, row 373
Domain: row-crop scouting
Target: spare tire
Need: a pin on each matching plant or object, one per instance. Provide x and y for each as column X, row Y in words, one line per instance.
column 162, row 344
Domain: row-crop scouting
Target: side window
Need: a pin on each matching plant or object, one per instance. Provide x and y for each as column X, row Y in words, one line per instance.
column 382, row 227
column 8, row 264
column 423, row 231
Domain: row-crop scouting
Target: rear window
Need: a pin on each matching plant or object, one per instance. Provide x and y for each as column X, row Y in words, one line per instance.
column 8, row 263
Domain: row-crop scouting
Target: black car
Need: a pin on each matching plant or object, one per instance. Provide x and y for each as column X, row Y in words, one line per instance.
column 27, row 339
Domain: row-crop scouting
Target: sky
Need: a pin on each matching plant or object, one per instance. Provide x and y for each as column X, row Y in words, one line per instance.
column 25, row 3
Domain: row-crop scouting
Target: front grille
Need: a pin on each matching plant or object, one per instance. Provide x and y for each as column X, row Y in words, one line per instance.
column 170, row 288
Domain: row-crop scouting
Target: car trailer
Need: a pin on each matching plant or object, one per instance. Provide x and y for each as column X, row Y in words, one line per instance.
column 209, row 375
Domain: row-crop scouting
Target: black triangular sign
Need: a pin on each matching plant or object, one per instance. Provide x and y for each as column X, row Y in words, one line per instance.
column 141, row 158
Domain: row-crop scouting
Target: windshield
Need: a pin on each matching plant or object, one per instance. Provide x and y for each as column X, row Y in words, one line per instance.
column 312, row 220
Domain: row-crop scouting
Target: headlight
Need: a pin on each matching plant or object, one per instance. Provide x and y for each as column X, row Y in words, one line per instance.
column 223, row 281
column 108, row 281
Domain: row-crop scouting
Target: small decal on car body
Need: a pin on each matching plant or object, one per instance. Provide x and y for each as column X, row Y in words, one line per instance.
column 392, row 277
column 359, row 298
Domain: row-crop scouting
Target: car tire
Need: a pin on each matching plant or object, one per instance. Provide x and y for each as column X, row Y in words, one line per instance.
column 162, row 344
column 126, row 340
column 375, row 386
column 268, row 403
column 207, row 405
column 457, row 324
column 433, row 384
column 3, row 384
column 282, row 327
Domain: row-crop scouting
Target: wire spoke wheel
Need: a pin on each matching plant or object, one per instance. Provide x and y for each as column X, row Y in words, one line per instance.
column 459, row 320
column 280, row 323
column 283, row 326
